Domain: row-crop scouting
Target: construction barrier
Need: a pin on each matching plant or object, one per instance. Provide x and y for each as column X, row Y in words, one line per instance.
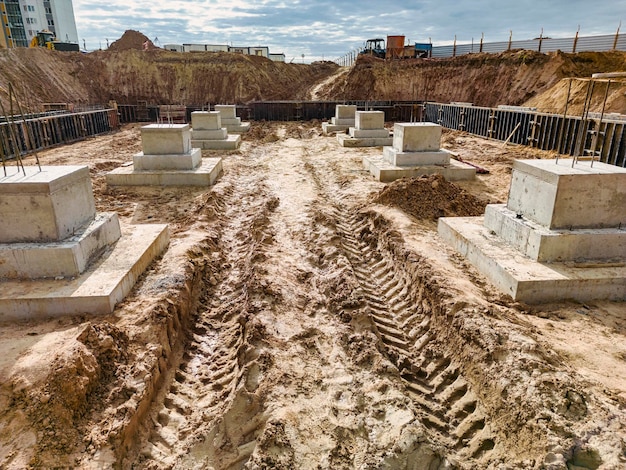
column 22, row 137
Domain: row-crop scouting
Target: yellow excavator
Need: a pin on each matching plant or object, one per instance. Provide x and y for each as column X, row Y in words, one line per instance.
column 46, row 39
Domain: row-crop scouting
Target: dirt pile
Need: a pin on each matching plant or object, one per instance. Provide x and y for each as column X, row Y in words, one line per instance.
column 430, row 197
column 483, row 79
column 132, row 40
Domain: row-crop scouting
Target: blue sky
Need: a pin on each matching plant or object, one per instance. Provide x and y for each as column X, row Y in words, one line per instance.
column 328, row 29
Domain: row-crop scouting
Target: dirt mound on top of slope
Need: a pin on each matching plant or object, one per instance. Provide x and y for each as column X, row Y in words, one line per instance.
column 132, row 39
column 430, row 197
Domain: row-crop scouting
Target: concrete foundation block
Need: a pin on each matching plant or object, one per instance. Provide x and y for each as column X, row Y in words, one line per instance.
column 187, row 161
column 369, row 133
column 232, row 142
column 205, row 121
column 347, row 141
column 525, row 279
column 345, row 111
column 417, row 137
column 330, row 128
column 67, row 258
column 396, row 157
column 45, row 206
column 227, row 111
column 342, row 121
column 385, row 172
column 97, row 290
column 204, row 175
column 545, row 245
column 367, row 120
column 558, row 196
column 235, row 126
column 166, row 139
column 202, row 134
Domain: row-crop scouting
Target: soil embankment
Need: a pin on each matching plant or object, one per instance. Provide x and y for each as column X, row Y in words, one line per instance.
column 510, row 78
column 127, row 73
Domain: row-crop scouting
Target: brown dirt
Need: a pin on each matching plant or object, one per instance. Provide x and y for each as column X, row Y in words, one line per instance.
column 297, row 321
column 510, row 78
column 132, row 40
column 430, row 197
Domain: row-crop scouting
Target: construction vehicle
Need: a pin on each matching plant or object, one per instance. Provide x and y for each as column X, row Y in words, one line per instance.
column 375, row 48
column 46, row 39
column 396, row 49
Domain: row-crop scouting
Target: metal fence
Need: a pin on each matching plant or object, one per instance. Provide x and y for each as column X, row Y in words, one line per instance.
column 21, row 137
column 567, row 135
column 601, row 43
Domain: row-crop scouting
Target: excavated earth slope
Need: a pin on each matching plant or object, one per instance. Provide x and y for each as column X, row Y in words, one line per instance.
column 126, row 73
column 483, row 79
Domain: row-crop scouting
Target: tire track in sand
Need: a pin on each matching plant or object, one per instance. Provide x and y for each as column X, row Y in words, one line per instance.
column 209, row 414
column 401, row 318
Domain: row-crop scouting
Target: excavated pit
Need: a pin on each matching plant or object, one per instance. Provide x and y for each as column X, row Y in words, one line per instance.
column 307, row 316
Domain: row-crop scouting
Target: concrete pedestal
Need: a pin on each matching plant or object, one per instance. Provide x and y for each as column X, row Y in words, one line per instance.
column 415, row 152
column 230, row 120
column 57, row 240
column 208, row 133
column 561, row 235
column 344, row 119
column 164, row 168
column 368, row 131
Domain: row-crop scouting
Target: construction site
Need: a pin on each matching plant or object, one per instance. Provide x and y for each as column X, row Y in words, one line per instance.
column 213, row 260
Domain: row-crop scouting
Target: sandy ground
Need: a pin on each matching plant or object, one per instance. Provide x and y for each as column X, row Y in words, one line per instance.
column 297, row 322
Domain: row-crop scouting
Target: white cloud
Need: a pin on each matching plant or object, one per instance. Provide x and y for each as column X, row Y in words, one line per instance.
column 331, row 28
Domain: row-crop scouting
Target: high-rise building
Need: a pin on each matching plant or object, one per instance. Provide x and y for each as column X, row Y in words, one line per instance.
column 22, row 19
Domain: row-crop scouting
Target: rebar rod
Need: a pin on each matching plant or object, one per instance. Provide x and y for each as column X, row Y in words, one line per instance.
column 16, row 149
column 29, row 132
column 560, row 139
column 606, row 95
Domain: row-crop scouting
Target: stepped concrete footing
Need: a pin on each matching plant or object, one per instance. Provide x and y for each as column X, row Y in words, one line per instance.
column 525, row 279
column 204, row 175
column 97, row 290
column 63, row 258
column 184, row 161
column 231, row 142
column 385, row 172
column 330, row 128
column 347, row 141
column 236, row 127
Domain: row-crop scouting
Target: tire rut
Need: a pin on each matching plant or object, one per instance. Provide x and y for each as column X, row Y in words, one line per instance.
column 449, row 408
column 213, row 389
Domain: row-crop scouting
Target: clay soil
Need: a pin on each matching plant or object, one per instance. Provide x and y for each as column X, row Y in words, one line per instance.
column 306, row 316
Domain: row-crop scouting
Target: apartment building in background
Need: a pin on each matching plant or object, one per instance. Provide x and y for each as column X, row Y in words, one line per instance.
column 22, row 19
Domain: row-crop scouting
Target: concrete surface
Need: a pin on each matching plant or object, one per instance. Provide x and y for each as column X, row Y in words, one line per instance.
column 346, row 141
column 44, row 206
column 345, row 111
column 206, row 120
column 396, row 157
column 525, row 279
column 105, row 283
column 204, row 175
column 227, row 111
column 203, row 134
column 185, row 161
column 368, row 133
column 331, row 128
column 230, row 120
column 231, row 142
column 386, row 172
column 368, row 120
column 417, row 137
column 542, row 244
column 558, row 196
column 66, row 258
column 166, row 139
